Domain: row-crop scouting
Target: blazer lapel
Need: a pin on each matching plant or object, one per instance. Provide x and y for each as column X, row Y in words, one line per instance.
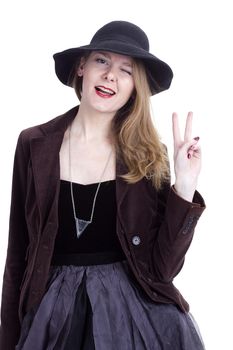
column 121, row 185
column 46, row 165
column 46, row 169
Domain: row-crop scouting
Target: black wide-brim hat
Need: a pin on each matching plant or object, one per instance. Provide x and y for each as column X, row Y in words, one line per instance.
column 120, row 37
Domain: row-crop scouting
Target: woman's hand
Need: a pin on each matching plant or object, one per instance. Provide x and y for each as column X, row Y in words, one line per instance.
column 187, row 158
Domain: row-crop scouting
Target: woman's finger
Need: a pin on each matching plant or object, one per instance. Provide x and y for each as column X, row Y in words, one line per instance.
column 176, row 130
column 188, row 127
column 189, row 147
column 194, row 148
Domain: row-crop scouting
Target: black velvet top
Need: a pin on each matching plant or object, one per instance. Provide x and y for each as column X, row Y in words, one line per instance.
column 99, row 236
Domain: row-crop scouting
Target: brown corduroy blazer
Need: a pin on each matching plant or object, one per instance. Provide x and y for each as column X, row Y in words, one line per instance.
column 155, row 228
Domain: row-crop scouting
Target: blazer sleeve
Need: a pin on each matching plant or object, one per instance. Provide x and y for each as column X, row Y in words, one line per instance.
column 177, row 219
column 16, row 252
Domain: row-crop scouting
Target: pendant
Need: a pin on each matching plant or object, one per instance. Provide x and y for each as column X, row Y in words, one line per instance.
column 80, row 226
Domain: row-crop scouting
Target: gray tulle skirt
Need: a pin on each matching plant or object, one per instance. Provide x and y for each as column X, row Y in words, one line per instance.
column 101, row 307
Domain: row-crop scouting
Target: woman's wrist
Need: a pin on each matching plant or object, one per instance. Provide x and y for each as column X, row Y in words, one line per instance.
column 185, row 192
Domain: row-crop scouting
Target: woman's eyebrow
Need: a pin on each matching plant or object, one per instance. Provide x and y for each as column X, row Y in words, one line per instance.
column 102, row 53
column 127, row 63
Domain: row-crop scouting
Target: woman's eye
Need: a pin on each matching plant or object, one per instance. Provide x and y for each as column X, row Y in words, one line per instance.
column 127, row 71
column 101, row 60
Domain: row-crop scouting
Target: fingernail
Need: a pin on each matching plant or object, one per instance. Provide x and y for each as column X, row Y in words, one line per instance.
column 196, row 138
column 189, row 156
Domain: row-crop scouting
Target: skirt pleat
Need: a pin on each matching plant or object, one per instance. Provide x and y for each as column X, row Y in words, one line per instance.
column 81, row 321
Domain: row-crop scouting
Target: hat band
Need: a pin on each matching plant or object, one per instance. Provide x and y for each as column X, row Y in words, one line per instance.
column 120, row 38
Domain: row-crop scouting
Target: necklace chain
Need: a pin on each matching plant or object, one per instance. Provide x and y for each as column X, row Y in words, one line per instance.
column 80, row 223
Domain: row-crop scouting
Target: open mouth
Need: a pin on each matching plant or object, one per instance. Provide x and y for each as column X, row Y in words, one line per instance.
column 104, row 91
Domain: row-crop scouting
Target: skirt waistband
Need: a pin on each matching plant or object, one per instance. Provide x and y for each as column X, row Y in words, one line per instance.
column 86, row 259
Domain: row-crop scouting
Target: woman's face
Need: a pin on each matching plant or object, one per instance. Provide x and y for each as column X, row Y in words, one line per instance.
column 107, row 81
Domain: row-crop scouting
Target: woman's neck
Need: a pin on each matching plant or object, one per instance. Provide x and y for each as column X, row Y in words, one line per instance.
column 90, row 125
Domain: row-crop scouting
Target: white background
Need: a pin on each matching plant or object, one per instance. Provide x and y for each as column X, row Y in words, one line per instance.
column 195, row 38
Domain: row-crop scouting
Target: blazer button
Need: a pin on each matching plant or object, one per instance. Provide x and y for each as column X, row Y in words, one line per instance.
column 136, row 240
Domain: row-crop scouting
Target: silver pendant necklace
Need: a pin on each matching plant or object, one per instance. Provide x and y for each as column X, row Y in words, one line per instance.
column 80, row 223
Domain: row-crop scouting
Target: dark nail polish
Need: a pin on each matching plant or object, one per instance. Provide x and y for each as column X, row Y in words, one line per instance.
column 197, row 138
column 189, row 155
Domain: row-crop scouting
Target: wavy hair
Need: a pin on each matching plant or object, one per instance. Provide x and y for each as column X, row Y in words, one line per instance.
column 136, row 138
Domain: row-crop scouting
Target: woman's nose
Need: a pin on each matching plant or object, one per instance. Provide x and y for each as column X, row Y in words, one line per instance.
column 110, row 74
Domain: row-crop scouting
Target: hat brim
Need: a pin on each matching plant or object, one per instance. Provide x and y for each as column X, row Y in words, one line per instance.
column 159, row 73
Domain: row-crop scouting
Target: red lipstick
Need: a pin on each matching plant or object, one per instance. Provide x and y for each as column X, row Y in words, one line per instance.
column 104, row 91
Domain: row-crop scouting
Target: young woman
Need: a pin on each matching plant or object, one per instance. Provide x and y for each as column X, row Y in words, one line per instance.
column 97, row 233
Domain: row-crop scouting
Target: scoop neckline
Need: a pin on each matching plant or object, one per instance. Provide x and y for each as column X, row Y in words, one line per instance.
column 90, row 184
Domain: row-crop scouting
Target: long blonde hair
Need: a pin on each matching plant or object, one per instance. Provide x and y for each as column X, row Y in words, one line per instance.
column 136, row 138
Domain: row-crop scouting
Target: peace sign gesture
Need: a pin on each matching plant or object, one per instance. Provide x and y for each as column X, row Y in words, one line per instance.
column 187, row 158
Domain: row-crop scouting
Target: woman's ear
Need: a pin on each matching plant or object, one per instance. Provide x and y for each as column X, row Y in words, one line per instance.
column 81, row 67
column 80, row 71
